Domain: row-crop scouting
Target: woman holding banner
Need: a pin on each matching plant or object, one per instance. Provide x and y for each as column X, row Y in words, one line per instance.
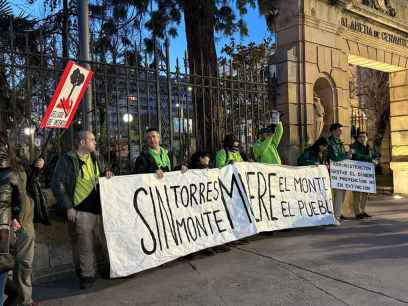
column 315, row 155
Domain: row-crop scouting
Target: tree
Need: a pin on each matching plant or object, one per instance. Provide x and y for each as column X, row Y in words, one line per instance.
column 5, row 8
column 22, row 41
column 203, row 19
column 372, row 89
column 267, row 8
column 115, row 25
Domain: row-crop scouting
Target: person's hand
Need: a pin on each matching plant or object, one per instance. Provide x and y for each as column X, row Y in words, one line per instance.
column 159, row 174
column 39, row 163
column 71, row 215
column 375, row 162
column 183, row 169
column 108, row 174
column 349, row 155
column 15, row 225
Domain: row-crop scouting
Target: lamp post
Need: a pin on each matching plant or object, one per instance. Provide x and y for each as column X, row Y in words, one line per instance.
column 83, row 22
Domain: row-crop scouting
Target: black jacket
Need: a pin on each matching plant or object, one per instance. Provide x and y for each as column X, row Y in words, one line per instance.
column 146, row 164
column 64, row 179
column 34, row 190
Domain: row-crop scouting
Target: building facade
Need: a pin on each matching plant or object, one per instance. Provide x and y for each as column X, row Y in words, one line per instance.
column 317, row 41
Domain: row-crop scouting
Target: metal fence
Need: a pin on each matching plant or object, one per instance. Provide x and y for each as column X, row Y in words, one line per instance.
column 192, row 110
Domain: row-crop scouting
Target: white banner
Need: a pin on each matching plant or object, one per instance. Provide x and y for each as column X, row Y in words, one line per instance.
column 353, row 175
column 287, row 197
column 150, row 221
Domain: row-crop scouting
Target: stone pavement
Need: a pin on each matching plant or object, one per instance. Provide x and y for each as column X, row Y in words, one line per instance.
column 358, row 263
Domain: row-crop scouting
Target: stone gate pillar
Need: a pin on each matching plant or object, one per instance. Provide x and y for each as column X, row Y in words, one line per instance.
column 310, row 56
column 399, row 129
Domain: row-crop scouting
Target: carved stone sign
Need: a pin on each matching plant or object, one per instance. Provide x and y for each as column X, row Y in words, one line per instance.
column 381, row 5
column 361, row 27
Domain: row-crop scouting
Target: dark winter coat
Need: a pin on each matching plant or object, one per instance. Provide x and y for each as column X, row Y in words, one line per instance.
column 64, row 179
column 363, row 152
column 145, row 164
column 336, row 150
column 311, row 157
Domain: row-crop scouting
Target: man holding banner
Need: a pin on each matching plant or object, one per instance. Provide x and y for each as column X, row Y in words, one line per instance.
column 155, row 158
column 337, row 152
column 76, row 187
column 362, row 152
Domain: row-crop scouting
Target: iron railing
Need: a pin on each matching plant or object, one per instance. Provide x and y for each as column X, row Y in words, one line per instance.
column 129, row 98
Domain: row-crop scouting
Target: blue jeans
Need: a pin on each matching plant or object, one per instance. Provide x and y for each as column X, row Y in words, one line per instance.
column 3, row 280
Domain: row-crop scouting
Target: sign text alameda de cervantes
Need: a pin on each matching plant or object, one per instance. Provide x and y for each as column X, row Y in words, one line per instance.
column 361, row 27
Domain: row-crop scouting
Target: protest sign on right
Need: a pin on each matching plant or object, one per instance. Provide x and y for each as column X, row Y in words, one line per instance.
column 353, row 175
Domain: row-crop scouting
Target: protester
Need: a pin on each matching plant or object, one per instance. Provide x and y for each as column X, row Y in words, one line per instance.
column 230, row 152
column 155, row 158
column 200, row 160
column 10, row 207
column 265, row 150
column 337, row 152
column 20, row 290
column 75, row 185
column 314, row 155
column 362, row 152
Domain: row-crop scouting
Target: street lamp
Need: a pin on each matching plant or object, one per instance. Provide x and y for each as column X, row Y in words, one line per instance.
column 28, row 131
column 127, row 118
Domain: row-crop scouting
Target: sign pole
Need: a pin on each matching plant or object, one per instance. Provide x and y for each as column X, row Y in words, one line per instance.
column 85, row 58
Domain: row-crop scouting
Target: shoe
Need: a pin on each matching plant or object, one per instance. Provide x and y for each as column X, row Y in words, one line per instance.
column 343, row 218
column 86, row 282
column 359, row 217
column 336, row 223
column 365, row 215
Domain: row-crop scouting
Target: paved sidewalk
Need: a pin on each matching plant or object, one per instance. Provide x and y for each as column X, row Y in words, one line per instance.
column 359, row 263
